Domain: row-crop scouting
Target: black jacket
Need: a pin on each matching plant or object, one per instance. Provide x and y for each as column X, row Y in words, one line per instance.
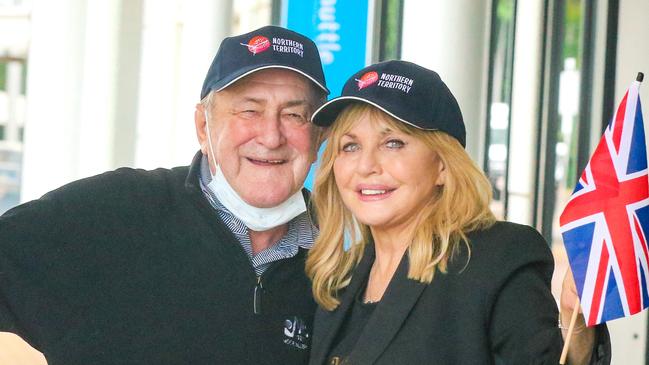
column 135, row 267
column 497, row 309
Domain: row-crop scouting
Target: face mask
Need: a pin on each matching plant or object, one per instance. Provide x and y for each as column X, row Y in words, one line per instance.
column 256, row 219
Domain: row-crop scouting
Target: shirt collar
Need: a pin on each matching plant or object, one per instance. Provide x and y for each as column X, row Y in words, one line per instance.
column 301, row 230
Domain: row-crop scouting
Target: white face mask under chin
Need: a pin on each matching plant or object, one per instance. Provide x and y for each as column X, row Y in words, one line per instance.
column 256, row 219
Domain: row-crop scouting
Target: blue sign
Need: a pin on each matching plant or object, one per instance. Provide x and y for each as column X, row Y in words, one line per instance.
column 339, row 29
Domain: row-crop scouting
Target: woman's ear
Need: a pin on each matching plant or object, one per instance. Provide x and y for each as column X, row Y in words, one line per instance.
column 441, row 173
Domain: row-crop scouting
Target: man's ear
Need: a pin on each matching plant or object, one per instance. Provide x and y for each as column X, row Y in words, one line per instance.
column 324, row 134
column 320, row 135
column 201, row 131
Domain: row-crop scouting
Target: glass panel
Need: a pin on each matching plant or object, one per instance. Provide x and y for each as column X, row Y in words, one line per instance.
column 13, row 75
column 566, row 148
column 3, row 75
column 12, row 116
column 500, row 82
column 391, row 20
column 10, row 171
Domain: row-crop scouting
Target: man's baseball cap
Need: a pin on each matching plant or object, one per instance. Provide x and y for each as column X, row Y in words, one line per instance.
column 408, row 92
column 267, row 47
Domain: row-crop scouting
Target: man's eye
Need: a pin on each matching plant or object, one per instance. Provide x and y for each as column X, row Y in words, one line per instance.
column 249, row 112
column 394, row 143
column 296, row 117
column 350, row 147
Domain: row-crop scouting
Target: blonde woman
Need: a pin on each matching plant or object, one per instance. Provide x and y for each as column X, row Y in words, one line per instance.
column 411, row 267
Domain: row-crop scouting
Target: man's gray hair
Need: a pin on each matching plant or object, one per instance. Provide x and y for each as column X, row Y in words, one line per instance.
column 208, row 101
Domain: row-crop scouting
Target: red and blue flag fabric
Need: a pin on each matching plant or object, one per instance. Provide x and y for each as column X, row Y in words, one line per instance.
column 605, row 225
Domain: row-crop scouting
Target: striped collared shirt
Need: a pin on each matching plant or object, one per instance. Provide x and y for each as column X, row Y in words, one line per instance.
column 301, row 231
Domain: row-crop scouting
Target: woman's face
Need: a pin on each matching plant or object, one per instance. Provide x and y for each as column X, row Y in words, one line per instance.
column 385, row 177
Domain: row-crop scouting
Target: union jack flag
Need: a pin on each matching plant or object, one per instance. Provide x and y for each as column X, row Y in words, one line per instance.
column 605, row 224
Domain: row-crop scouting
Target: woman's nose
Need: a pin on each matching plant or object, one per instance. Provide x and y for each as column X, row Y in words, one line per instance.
column 368, row 162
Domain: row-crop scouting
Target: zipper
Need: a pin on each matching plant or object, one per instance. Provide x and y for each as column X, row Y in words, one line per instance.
column 257, row 294
column 259, row 290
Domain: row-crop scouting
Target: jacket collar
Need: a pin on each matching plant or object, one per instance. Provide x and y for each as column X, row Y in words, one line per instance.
column 191, row 181
column 333, row 320
column 397, row 302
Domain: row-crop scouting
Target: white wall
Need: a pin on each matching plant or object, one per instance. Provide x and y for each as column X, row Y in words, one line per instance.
column 450, row 37
column 525, row 96
column 54, row 82
column 114, row 83
column 180, row 39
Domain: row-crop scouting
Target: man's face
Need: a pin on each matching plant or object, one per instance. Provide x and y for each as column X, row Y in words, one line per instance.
column 261, row 135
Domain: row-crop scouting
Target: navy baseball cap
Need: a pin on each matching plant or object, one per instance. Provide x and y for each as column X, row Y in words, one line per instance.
column 408, row 92
column 267, row 47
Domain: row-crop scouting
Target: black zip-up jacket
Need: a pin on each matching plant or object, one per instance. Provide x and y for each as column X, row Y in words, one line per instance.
column 135, row 267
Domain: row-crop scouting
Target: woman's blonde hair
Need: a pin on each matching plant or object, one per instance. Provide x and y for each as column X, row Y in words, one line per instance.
column 461, row 206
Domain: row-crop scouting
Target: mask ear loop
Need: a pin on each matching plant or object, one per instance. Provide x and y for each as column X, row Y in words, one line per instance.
column 209, row 139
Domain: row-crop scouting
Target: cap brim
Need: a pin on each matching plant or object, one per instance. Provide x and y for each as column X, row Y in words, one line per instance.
column 245, row 73
column 327, row 113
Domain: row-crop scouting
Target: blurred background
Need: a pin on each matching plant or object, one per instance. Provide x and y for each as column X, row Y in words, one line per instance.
column 89, row 86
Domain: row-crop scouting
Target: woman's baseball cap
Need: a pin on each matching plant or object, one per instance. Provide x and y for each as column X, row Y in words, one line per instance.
column 408, row 92
column 267, row 47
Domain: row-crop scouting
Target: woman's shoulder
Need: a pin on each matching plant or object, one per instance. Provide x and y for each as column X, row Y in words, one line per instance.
column 502, row 230
column 508, row 236
column 508, row 246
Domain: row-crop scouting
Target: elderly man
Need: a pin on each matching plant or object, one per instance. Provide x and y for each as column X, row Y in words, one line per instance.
column 194, row 265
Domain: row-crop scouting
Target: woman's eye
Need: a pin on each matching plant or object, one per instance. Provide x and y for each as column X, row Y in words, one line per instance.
column 394, row 143
column 349, row 147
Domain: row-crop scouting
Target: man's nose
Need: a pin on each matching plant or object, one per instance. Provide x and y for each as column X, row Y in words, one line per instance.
column 270, row 132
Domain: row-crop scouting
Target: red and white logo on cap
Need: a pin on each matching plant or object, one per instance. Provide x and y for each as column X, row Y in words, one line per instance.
column 257, row 44
column 367, row 79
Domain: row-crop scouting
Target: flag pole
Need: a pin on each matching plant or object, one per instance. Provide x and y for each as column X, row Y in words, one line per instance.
column 566, row 344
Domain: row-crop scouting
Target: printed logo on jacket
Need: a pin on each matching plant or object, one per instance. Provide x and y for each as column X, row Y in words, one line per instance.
column 296, row 333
